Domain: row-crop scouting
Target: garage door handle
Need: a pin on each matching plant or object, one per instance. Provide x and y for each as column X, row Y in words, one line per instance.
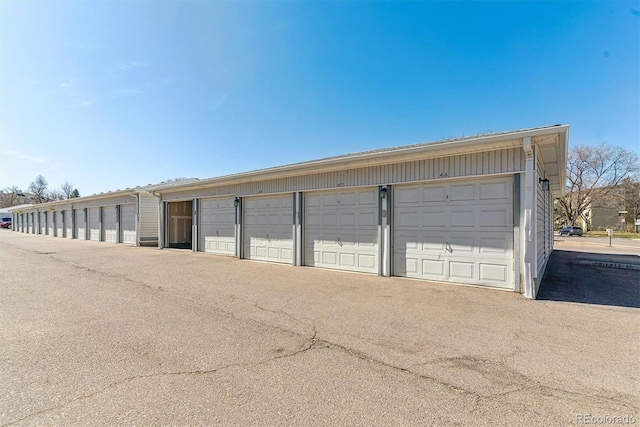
column 448, row 247
column 339, row 242
column 268, row 239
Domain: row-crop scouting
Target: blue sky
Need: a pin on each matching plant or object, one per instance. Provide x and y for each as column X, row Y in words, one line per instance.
column 109, row 95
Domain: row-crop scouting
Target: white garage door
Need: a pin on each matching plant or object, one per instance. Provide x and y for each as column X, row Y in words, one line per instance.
column 81, row 227
column 68, row 224
column 60, row 224
column 30, row 223
column 109, row 230
column 50, row 223
column 42, row 219
column 268, row 228
column 217, row 226
column 128, row 224
column 94, row 223
column 341, row 230
column 458, row 232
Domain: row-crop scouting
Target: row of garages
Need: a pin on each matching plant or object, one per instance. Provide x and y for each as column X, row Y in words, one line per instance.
column 114, row 224
column 113, row 218
column 427, row 231
column 471, row 211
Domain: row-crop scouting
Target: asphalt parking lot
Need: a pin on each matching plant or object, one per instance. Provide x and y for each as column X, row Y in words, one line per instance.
column 103, row 334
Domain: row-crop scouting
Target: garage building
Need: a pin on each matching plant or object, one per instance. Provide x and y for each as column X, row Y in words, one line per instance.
column 122, row 216
column 474, row 211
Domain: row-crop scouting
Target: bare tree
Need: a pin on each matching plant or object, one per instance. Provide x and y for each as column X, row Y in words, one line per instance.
column 10, row 196
column 67, row 189
column 593, row 174
column 55, row 195
column 39, row 188
column 632, row 202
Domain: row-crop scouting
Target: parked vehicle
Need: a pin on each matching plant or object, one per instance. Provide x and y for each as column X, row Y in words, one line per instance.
column 5, row 223
column 571, row 231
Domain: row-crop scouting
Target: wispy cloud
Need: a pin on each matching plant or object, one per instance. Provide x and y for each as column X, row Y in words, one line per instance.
column 130, row 92
column 68, row 83
column 132, row 64
column 20, row 156
column 81, row 104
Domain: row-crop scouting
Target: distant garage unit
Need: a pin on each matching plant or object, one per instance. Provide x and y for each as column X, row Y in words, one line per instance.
column 123, row 216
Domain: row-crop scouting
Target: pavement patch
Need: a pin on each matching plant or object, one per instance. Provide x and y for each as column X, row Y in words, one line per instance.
column 608, row 264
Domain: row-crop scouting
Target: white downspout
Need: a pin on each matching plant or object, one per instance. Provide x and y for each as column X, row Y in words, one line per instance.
column 132, row 194
column 161, row 220
column 530, row 245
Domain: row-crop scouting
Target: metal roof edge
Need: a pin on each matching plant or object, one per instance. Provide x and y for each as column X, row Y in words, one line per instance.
column 372, row 158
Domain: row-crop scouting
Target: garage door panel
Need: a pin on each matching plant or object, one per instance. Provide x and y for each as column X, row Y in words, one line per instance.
column 464, row 233
column 406, row 218
column 60, row 224
column 433, row 268
column 313, row 201
column 406, row 196
column 495, row 245
column 330, row 200
column 109, row 220
column 434, row 218
column 367, row 262
column 368, row 219
column 217, row 226
column 461, row 270
column 462, row 192
column 286, row 253
column 493, row 272
column 68, row 216
column 80, row 225
column 461, row 217
column 341, row 230
column 495, row 191
column 368, row 198
column 50, row 223
column 128, row 224
column 462, row 243
column 94, row 223
column 431, row 194
column 499, row 216
column 276, row 219
column 268, row 229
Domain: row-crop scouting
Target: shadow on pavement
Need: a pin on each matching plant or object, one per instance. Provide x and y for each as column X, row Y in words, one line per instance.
column 592, row 278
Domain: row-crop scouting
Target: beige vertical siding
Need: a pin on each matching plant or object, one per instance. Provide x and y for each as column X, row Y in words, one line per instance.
column 484, row 163
column 544, row 226
column 148, row 219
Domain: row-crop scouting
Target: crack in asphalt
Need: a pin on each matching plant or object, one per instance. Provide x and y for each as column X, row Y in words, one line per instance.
column 313, row 342
column 522, row 382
